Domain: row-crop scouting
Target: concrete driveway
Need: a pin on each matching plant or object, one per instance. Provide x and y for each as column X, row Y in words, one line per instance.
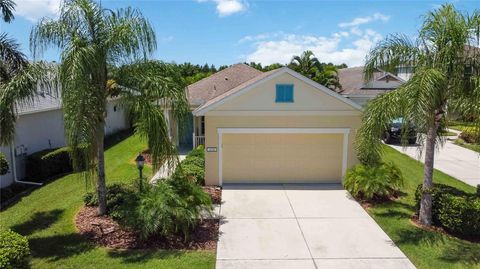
column 300, row 226
column 458, row 162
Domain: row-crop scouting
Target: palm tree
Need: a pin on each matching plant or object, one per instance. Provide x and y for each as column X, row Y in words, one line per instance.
column 18, row 78
column 447, row 43
column 329, row 77
column 306, row 64
column 94, row 41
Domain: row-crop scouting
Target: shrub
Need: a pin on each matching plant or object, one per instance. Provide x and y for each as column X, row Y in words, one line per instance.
column 119, row 196
column 194, row 160
column 164, row 210
column 191, row 192
column 48, row 163
column 470, row 135
column 191, row 172
column 197, row 152
column 3, row 164
column 456, row 211
column 373, row 182
column 14, row 250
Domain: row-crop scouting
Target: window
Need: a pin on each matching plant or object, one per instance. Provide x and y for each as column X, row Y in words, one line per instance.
column 284, row 93
column 114, row 108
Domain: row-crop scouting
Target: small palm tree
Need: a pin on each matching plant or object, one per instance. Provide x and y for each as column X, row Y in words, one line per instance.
column 329, row 77
column 306, row 64
column 446, row 47
column 94, row 43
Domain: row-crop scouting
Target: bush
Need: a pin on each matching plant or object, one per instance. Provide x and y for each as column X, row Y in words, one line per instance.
column 194, row 160
column 14, row 250
column 119, row 196
column 470, row 135
column 193, row 167
column 48, row 163
column 165, row 210
column 197, row 152
column 373, row 182
column 456, row 211
column 3, row 165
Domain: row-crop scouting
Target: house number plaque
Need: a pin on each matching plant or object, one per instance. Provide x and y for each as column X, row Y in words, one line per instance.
column 211, row 149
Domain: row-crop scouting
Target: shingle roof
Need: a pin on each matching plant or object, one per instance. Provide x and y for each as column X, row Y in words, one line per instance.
column 238, row 88
column 217, row 84
column 41, row 102
column 353, row 83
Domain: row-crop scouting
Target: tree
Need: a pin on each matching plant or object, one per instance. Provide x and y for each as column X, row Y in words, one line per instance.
column 19, row 80
column 329, row 77
column 446, row 46
column 93, row 41
column 306, row 64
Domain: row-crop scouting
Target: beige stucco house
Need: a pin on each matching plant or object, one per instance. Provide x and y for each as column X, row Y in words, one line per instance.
column 273, row 127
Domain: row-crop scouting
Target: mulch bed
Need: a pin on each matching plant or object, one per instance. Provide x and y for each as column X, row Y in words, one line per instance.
column 215, row 193
column 106, row 232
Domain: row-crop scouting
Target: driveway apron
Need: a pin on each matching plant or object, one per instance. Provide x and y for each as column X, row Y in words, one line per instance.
column 300, row 226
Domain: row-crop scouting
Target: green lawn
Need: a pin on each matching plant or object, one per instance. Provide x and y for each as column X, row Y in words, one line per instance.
column 425, row 249
column 474, row 147
column 46, row 217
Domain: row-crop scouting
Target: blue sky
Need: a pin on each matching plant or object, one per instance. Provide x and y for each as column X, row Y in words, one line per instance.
column 230, row 31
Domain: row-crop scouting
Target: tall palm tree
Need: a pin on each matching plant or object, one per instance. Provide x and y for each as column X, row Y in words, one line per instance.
column 18, row 78
column 94, row 41
column 447, row 43
column 306, row 64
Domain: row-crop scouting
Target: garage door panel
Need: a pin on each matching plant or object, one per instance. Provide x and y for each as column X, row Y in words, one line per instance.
column 270, row 158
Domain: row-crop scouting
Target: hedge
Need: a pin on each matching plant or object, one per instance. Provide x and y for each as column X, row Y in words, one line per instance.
column 3, row 164
column 454, row 210
column 49, row 163
column 193, row 167
column 14, row 250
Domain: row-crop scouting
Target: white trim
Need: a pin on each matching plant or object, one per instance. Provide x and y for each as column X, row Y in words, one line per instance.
column 283, row 70
column 283, row 113
column 221, row 131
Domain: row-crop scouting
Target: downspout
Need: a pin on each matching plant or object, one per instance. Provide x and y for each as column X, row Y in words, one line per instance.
column 14, row 168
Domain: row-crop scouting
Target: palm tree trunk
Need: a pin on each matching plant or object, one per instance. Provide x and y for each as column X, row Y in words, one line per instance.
column 101, row 185
column 425, row 214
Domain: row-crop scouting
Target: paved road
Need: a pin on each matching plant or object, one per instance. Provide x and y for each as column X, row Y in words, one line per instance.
column 458, row 162
column 300, row 226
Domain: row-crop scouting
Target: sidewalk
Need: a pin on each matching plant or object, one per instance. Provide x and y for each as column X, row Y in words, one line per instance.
column 458, row 162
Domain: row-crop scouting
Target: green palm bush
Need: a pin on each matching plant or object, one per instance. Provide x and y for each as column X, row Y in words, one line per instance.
column 373, row 182
column 3, row 165
column 164, row 210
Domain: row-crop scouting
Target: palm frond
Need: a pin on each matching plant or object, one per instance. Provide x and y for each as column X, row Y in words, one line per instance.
column 7, row 7
column 11, row 58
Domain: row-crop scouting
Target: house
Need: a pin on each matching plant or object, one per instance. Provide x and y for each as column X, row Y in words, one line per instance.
column 40, row 126
column 272, row 127
column 356, row 89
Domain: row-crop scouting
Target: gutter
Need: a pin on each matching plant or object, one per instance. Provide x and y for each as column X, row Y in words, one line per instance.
column 14, row 168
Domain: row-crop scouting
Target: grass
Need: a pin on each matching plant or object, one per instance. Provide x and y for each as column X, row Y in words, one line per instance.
column 459, row 125
column 425, row 249
column 474, row 147
column 46, row 217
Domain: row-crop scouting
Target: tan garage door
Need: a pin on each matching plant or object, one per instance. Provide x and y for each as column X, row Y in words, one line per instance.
column 282, row 158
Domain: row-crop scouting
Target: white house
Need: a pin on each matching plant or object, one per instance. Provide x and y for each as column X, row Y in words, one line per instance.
column 40, row 126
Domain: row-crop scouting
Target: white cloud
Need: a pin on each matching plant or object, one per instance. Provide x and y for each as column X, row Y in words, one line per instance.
column 34, row 10
column 327, row 49
column 362, row 20
column 228, row 7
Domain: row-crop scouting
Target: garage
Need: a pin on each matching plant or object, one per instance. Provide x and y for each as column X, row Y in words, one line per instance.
column 282, row 155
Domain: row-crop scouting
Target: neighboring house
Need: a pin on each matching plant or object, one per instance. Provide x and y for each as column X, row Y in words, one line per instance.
column 40, row 126
column 356, row 89
column 273, row 127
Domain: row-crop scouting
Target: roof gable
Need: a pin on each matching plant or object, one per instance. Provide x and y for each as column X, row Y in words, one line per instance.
column 258, row 94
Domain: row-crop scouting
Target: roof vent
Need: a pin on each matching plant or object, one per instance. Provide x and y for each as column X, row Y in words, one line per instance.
column 226, row 78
